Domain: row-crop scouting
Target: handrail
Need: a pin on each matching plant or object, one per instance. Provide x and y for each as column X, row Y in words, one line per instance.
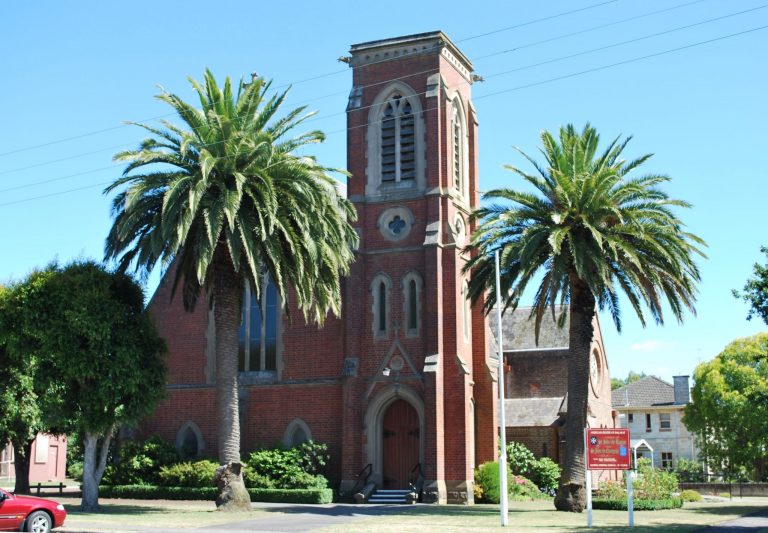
column 416, row 478
column 362, row 478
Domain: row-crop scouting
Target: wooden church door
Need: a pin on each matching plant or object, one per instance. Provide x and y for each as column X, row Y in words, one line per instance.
column 401, row 438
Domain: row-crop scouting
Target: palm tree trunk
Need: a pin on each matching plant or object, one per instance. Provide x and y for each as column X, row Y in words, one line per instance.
column 571, row 495
column 227, row 302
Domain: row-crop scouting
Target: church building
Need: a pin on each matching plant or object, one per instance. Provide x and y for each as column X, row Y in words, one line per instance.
column 403, row 384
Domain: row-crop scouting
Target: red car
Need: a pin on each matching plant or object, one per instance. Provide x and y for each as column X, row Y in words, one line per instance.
column 27, row 513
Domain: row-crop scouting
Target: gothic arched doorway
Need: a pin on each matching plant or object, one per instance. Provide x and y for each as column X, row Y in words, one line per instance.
column 400, row 442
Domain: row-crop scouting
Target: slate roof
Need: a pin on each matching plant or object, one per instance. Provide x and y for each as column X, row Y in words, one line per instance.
column 649, row 391
column 519, row 333
column 524, row 412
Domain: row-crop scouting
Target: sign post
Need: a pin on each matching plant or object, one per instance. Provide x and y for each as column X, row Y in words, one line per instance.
column 608, row 449
column 504, row 495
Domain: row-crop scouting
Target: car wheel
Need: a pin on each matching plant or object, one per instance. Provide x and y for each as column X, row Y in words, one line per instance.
column 39, row 522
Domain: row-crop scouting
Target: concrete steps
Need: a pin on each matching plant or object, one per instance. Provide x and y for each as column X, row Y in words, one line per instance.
column 390, row 496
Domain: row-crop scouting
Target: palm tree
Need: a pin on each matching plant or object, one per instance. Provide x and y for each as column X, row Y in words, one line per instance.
column 591, row 232
column 227, row 201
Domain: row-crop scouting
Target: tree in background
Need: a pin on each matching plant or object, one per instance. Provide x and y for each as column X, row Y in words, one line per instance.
column 756, row 291
column 729, row 411
column 99, row 355
column 229, row 203
column 631, row 378
column 24, row 396
column 592, row 232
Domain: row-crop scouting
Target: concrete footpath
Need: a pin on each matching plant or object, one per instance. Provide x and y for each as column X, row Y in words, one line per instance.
column 752, row 523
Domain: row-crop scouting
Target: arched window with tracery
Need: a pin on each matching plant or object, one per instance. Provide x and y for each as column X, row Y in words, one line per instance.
column 398, row 140
column 258, row 333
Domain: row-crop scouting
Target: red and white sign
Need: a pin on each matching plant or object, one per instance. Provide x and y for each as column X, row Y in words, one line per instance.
column 608, row 449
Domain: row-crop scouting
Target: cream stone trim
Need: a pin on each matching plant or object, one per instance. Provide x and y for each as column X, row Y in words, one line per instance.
column 381, row 277
column 296, row 423
column 374, row 186
column 405, row 286
column 374, row 421
column 182, row 433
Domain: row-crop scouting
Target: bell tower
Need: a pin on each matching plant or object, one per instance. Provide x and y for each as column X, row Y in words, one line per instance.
column 419, row 401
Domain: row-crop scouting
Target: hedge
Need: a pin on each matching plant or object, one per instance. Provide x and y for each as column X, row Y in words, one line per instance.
column 153, row 492
column 639, row 505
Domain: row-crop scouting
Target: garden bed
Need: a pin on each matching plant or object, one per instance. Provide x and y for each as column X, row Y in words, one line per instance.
column 154, row 492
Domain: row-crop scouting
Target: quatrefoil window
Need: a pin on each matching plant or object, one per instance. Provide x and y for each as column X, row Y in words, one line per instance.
column 396, row 225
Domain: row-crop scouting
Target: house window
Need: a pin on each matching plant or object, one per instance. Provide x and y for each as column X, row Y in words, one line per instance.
column 380, row 289
column 666, row 460
column 257, row 351
column 665, row 424
column 398, row 150
column 630, row 418
column 647, row 422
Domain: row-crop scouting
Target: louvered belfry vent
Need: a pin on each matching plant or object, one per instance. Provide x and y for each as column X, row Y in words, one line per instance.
column 398, row 154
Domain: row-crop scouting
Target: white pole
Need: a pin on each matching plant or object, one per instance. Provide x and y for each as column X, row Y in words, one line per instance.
column 630, row 499
column 503, row 495
column 588, row 480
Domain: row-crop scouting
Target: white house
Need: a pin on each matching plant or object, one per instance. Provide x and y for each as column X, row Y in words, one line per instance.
column 652, row 409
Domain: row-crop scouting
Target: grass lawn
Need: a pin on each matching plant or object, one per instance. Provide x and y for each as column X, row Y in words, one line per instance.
column 125, row 514
column 541, row 516
column 523, row 516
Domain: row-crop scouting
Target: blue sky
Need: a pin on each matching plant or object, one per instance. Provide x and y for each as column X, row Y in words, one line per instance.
column 77, row 71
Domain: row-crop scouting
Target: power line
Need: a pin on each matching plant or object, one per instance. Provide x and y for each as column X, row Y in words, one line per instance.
column 587, row 30
column 501, row 52
column 488, row 95
column 112, row 128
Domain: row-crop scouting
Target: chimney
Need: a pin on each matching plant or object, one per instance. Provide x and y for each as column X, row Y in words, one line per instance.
column 682, row 392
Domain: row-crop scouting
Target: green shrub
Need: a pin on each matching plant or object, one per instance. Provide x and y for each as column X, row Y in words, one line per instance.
column 293, row 468
column 487, row 477
column 139, row 463
column 257, row 481
column 612, row 490
column 153, row 492
column 639, row 505
column 520, row 459
column 689, row 471
column 522, row 489
column 545, row 473
column 197, row 474
column 690, row 496
column 653, row 483
column 724, row 494
column 488, row 485
column 312, row 457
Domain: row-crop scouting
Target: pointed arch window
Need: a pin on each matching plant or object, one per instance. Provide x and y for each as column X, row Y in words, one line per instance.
column 380, row 289
column 412, row 286
column 257, row 336
column 458, row 141
column 398, row 141
column 466, row 311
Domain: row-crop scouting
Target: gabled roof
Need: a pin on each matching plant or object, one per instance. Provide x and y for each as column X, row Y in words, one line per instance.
column 526, row 412
column 519, row 333
column 649, row 391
